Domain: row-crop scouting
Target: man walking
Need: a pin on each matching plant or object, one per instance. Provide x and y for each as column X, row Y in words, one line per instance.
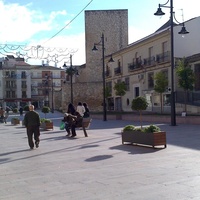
column 32, row 124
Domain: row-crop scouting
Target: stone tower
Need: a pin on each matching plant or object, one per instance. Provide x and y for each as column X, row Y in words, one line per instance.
column 114, row 25
column 88, row 86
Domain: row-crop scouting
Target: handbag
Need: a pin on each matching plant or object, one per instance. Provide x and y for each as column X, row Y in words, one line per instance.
column 62, row 125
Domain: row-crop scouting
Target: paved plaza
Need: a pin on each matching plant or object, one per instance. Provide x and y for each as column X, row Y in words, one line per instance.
column 99, row 167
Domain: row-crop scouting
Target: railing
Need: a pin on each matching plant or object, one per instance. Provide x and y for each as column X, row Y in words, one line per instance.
column 117, row 70
column 192, row 97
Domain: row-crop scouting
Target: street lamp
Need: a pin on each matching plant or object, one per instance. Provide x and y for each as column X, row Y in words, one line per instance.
column 101, row 43
column 52, row 94
column 52, row 103
column 183, row 31
column 71, row 71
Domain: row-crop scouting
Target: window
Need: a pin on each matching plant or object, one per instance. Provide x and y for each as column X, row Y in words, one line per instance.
column 13, row 74
column 7, row 94
column 23, row 84
column 13, row 94
column 164, row 47
column 150, row 80
column 24, row 94
column 137, row 92
column 127, row 84
column 23, row 74
column 119, row 63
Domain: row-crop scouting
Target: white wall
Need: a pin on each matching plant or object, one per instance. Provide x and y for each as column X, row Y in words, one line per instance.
column 190, row 43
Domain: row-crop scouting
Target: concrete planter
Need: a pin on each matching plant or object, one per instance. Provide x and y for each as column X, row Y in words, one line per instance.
column 138, row 137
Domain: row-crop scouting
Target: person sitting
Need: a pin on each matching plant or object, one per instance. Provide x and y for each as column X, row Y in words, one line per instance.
column 87, row 111
column 80, row 109
column 68, row 120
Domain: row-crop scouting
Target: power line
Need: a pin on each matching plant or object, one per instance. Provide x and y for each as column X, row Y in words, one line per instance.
column 69, row 22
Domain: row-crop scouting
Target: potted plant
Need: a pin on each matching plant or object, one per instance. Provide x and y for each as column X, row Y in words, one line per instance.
column 139, row 104
column 15, row 110
column 149, row 135
column 45, row 110
column 46, row 124
column 15, row 121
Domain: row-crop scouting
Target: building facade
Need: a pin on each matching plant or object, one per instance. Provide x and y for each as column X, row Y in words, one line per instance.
column 137, row 64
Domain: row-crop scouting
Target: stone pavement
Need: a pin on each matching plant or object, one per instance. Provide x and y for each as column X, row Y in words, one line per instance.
column 99, row 167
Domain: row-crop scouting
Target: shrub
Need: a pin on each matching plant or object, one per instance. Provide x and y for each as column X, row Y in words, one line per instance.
column 45, row 110
column 139, row 129
column 43, row 120
column 26, row 108
column 151, row 129
column 129, row 128
column 15, row 110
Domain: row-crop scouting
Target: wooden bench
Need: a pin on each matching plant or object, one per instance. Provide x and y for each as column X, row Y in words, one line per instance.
column 85, row 125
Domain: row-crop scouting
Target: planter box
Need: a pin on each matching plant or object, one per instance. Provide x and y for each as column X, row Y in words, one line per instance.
column 47, row 125
column 15, row 121
column 152, row 139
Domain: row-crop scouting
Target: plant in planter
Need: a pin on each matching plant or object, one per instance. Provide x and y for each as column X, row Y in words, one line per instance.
column 45, row 110
column 150, row 135
column 15, row 110
column 139, row 104
column 15, row 121
column 46, row 124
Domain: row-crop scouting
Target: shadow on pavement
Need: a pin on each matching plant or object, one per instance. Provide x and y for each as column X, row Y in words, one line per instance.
column 98, row 158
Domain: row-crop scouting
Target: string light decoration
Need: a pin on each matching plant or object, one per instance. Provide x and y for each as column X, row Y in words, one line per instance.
column 50, row 54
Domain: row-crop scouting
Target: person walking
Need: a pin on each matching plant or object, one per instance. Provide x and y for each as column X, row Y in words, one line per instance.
column 32, row 124
column 21, row 111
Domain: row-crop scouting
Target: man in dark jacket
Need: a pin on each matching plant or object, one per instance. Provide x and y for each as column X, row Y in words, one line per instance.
column 32, row 124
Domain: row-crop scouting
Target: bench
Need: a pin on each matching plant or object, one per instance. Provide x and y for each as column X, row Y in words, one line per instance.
column 85, row 125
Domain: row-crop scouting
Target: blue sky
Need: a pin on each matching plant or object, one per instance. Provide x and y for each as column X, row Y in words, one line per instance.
column 36, row 22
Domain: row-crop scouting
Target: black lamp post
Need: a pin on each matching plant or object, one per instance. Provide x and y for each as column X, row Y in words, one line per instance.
column 52, row 94
column 183, row 31
column 103, row 75
column 52, row 103
column 71, row 71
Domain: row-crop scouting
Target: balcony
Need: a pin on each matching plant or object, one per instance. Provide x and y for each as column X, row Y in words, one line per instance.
column 164, row 57
column 117, row 71
column 134, row 66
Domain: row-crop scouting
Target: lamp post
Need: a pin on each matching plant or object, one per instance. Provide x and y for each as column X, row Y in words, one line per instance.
column 71, row 71
column 52, row 103
column 103, row 74
column 183, row 31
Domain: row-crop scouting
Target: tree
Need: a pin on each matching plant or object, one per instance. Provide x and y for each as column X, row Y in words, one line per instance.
column 186, row 78
column 139, row 104
column 160, row 86
column 45, row 110
column 108, row 92
column 120, row 88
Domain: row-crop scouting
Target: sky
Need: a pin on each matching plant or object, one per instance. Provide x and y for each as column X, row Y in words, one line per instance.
column 60, row 24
